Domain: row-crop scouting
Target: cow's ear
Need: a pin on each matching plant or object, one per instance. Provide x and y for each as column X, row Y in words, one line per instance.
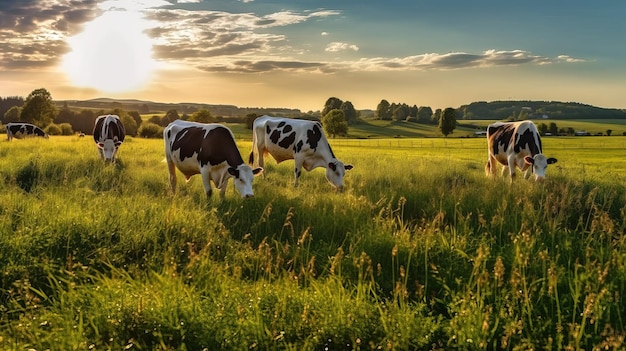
column 257, row 171
column 100, row 145
column 551, row 160
column 529, row 160
column 348, row 167
column 332, row 166
column 118, row 143
column 233, row 172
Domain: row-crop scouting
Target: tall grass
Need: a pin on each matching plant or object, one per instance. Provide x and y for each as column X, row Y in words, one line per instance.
column 421, row 251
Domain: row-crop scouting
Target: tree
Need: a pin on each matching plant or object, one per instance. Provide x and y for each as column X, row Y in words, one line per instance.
column 13, row 114
column 250, row 117
column 401, row 112
column 334, row 123
column 170, row 116
column 332, row 103
column 554, row 130
column 348, row 111
column 383, row 110
column 609, row 131
column 542, row 128
column 447, row 121
column 38, row 108
column 202, row 116
column 424, row 114
column 137, row 117
column 434, row 119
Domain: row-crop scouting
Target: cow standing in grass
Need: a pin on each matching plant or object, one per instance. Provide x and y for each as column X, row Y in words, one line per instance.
column 516, row 144
column 299, row 140
column 109, row 134
column 209, row 150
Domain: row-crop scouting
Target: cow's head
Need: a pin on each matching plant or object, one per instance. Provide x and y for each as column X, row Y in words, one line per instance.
column 244, row 175
column 539, row 163
column 108, row 149
column 335, row 172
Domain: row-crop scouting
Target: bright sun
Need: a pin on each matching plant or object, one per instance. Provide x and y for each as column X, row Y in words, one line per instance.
column 112, row 54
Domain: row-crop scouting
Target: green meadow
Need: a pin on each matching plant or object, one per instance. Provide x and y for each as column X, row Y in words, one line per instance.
column 421, row 251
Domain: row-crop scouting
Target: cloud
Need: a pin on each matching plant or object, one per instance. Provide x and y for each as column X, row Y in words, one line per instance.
column 338, row 46
column 459, row 60
column 33, row 33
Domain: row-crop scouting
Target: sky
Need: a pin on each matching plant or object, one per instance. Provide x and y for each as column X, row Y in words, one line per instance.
column 298, row 53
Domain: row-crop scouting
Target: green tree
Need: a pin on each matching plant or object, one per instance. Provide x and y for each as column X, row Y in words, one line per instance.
column 401, row 112
column 137, row 117
column 383, row 110
column 348, row 111
column 170, row 116
column 413, row 111
column 130, row 125
column 609, row 131
column 424, row 114
column 38, row 108
column 13, row 114
column 542, row 128
column 202, row 116
column 554, row 130
column 332, row 103
column 250, row 117
column 447, row 121
column 334, row 123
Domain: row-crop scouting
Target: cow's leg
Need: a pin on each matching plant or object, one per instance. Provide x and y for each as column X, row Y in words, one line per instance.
column 171, row 167
column 205, row 173
column 297, row 170
column 511, row 166
column 490, row 167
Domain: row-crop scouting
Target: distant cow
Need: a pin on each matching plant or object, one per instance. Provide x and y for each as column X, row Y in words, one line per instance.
column 109, row 134
column 23, row 130
column 299, row 140
column 516, row 144
column 209, row 150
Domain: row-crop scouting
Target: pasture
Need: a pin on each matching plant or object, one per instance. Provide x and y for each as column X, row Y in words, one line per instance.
column 421, row 251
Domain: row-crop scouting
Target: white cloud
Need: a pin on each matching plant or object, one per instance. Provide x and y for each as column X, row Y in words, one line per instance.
column 338, row 46
column 324, row 34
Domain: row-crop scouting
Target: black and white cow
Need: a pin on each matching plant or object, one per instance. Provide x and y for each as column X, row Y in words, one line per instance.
column 299, row 140
column 109, row 134
column 209, row 150
column 516, row 144
column 21, row 130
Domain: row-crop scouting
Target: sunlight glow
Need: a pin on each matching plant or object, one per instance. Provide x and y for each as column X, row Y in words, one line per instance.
column 112, row 54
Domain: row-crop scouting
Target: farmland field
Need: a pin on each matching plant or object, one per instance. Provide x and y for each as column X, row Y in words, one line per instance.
column 421, row 251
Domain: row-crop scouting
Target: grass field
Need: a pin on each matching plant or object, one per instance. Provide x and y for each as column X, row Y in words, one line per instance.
column 421, row 251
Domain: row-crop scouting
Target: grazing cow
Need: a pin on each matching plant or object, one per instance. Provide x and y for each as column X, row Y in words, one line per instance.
column 299, row 140
column 209, row 150
column 20, row 130
column 516, row 144
column 108, row 133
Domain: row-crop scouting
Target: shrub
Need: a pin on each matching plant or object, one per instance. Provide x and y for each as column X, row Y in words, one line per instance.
column 53, row 129
column 150, row 130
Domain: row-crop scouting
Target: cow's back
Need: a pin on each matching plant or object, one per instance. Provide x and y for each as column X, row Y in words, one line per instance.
column 108, row 127
column 283, row 137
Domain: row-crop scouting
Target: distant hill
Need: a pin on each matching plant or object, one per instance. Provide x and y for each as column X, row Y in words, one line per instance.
column 500, row 110
column 146, row 107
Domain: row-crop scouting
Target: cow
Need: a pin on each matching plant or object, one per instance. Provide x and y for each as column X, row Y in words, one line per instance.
column 209, row 150
column 21, row 130
column 516, row 144
column 300, row 140
column 109, row 134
